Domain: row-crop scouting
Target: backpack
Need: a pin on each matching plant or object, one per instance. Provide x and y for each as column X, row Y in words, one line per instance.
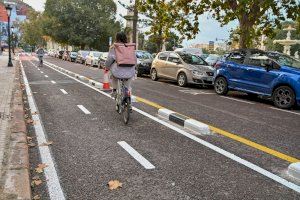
column 125, row 54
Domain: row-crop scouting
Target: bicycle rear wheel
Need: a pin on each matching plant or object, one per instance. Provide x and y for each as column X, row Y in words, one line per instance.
column 126, row 111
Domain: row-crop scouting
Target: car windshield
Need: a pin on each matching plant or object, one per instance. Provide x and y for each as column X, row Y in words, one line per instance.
column 143, row 55
column 97, row 54
column 192, row 59
column 213, row 57
column 73, row 53
column 285, row 60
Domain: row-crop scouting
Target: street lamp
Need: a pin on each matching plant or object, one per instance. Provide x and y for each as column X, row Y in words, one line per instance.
column 8, row 10
column 13, row 39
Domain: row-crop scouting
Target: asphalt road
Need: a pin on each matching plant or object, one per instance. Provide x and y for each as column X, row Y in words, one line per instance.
column 87, row 155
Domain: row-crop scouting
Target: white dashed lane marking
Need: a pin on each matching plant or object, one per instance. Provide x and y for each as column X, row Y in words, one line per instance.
column 53, row 82
column 238, row 100
column 46, row 76
column 84, row 110
column 138, row 157
column 63, row 91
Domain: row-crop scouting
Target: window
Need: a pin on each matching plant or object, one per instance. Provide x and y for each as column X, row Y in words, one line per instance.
column 174, row 58
column 237, row 57
column 163, row 56
column 192, row 59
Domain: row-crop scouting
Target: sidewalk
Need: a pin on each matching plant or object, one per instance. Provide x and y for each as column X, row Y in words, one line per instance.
column 14, row 172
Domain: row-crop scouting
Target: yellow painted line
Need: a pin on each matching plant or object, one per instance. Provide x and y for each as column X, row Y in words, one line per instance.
column 254, row 145
column 150, row 103
column 235, row 137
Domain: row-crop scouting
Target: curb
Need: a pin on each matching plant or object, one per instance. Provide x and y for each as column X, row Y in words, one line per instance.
column 16, row 178
column 185, row 122
column 294, row 170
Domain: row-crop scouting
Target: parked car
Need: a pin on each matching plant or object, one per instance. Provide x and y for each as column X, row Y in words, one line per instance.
column 144, row 62
column 204, row 56
column 72, row 56
column 65, row 55
column 81, row 56
column 184, row 67
column 92, row 58
column 253, row 71
column 102, row 60
column 212, row 59
column 59, row 54
column 195, row 51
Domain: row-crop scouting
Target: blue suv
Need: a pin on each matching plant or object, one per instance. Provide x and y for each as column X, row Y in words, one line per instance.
column 263, row 73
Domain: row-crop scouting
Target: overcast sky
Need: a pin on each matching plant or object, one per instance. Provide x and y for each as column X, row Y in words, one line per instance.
column 209, row 28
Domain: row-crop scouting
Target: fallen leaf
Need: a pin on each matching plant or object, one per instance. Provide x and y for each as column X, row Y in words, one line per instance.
column 29, row 138
column 36, row 182
column 31, row 144
column 30, row 121
column 34, row 113
column 46, row 144
column 36, row 197
column 115, row 184
column 40, row 168
column 35, row 178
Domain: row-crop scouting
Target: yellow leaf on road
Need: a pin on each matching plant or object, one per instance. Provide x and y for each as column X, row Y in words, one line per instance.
column 36, row 197
column 40, row 168
column 114, row 184
column 46, row 144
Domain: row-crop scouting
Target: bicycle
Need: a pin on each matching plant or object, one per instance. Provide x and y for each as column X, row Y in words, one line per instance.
column 41, row 61
column 123, row 100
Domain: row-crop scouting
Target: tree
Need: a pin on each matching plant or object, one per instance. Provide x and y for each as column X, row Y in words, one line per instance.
column 172, row 41
column 84, row 23
column 163, row 17
column 255, row 17
column 31, row 29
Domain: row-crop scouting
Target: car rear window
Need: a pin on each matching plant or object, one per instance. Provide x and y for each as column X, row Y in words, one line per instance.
column 237, row 57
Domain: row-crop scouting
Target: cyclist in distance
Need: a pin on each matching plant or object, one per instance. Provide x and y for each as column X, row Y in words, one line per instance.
column 40, row 53
column 119, row 72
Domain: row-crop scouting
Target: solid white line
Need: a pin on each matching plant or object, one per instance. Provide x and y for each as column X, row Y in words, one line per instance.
column 46, row 76
column 138, row 157
column 53, row 82
column 287, row 111
column 54, row 187
column 204, row 143
column 237, row 100
column 63, row 91
column 83, row 109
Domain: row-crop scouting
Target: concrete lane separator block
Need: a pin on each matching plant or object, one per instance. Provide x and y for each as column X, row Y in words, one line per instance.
column 185, row 122
column 197, row 126
column 294, row 170
column 165, row 113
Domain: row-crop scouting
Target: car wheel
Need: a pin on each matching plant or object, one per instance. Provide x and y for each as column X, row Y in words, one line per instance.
column 284, row 97
column 154, row 75
column 139, row 73
column 221, row 86
column 182, row 79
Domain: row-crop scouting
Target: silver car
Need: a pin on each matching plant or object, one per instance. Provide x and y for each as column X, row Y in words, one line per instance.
column 183, row 67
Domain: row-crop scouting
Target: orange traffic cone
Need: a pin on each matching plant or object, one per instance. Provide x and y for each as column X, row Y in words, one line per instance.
column 106, row 80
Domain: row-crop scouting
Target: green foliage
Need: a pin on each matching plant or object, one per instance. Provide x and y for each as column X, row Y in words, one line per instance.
column 172, row 41
column 255, row 17
column 84, row 23
column 163, row 16
column 31, row 29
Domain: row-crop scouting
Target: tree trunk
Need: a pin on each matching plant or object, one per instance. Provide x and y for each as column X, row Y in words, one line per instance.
column 245, row 32
column 135, row 20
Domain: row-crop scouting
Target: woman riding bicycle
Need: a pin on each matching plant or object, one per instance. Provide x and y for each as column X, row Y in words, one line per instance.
column 118, row 72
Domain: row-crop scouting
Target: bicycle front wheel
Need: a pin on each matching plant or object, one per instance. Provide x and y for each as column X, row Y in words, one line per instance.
column 126, row 111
